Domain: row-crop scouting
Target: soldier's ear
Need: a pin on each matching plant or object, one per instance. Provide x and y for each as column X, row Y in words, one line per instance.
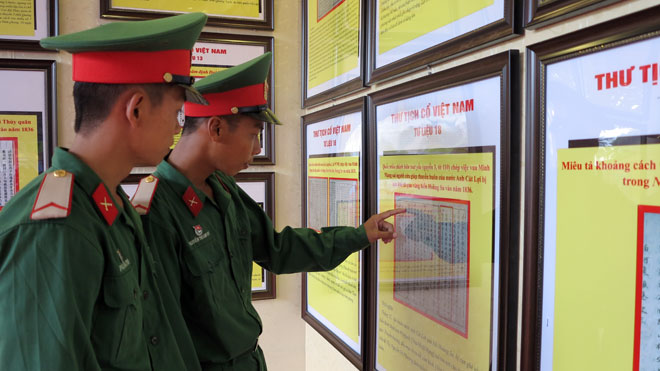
column 215, row 129
column 134, row 107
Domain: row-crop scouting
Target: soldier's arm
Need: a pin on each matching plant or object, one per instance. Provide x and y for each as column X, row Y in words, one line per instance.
column 306, row 250
column 50, row 278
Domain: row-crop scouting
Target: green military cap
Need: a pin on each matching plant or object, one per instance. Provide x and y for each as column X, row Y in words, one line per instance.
column 154, row 51
column 239, row 89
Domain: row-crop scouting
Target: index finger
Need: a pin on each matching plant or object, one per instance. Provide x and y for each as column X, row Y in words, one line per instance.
column 388, row 213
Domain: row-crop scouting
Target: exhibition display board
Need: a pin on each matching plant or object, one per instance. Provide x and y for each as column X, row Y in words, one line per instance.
column 409, row 34
column 253, row 14
column 443, row 152
column 333, row 183
column 260, row 187
column 27, row 122
column 332, row 53
column 24, row 22
column 593, row 199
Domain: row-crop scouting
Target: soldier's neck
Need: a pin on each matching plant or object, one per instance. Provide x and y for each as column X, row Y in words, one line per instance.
column 107, row 161
column 189, row 159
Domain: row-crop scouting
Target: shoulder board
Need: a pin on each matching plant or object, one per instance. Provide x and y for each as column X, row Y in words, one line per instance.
column 144, row 194
column 54, row 197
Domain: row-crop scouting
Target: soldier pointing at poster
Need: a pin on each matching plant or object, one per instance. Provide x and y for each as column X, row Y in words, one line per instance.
column 207, row 231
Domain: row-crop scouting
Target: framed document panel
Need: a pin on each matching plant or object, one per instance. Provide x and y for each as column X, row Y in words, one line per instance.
column 333, row 184
column 261, row 187
column 409, row 34
column 592, row 277
column 28, row 126
column 24, row 22
column 543, row 12
column 253, row 14
column 446, row 149
column 215, row 52
column 332, row 48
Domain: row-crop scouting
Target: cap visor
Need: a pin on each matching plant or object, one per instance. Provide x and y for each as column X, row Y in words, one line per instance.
column 266, row 116
column 193, row 96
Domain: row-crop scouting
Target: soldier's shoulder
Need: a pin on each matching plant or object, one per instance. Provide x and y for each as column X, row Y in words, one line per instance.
column 145, row 193
column 53, row 200
column 48, row 196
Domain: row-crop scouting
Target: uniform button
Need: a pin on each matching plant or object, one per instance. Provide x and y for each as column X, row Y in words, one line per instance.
column 135, row 293
column 154, row 340
column 145, row 294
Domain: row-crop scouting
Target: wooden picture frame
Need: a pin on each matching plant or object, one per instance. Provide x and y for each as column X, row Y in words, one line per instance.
column 28, row 122
column 597, row 48
column 323, row 147
column 342, row 83
column 133, row 12
column 438, row 44
column 261, row 187
column 449, row 135
column 540, row 13
column 44, row 24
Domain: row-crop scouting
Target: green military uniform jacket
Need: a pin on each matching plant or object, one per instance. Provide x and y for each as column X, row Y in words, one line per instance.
column 80, row 292
column 207, row 246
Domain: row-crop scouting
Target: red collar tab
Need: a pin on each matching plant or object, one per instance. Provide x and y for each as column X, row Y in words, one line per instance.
column 192, row 201
column 130, row 67
column 104, row 204
column 221, row 104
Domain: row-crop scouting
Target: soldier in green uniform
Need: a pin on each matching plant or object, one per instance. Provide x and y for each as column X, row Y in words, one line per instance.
column 207, row 232
column 79, row 284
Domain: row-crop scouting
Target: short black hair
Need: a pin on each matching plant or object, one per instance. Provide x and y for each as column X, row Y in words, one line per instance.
column 192, row 123
column 93, row 101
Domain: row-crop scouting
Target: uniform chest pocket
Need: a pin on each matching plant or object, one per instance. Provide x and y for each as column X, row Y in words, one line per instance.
column 203, row 258
column 118, row 327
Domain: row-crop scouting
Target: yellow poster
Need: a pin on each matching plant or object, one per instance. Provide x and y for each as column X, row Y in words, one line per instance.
column 228, row 8
column 599, row 191
column 200, row 72
column 19, row 143
column 334, row 190
column 258, row 277
column 402, row 21
column 17, row 17
column 333, row 39
column 435, row 279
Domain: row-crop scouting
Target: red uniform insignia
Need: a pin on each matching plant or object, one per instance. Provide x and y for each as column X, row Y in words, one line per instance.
column 192, row 201
column 104, row 204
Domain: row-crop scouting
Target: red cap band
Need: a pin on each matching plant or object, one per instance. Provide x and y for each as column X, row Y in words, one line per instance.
column 129, row 67
column 220, row 104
